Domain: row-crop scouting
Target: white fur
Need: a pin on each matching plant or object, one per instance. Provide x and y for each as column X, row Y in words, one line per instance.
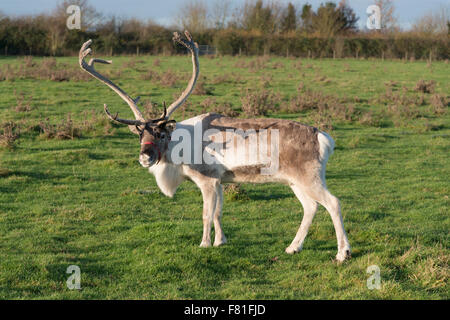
column 326, row 146
column 168, row 177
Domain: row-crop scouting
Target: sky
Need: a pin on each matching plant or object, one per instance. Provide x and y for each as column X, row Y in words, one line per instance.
column 165, row 11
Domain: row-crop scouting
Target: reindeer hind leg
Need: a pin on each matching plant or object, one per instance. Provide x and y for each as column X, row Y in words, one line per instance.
column 309, row 211
column 321, row 194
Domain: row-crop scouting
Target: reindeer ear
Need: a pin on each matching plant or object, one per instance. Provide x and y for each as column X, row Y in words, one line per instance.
column 171, row 125
column 167, row 125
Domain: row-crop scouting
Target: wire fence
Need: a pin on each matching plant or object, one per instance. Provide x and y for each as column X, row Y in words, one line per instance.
column 206, row 50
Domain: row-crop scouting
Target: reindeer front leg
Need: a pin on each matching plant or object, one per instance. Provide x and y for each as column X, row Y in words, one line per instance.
column 208, row 188
column 219, row 238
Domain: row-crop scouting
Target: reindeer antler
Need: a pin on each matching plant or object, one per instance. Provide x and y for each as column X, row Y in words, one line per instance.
column 89, row 68
column 193, row 48
column 140, row 120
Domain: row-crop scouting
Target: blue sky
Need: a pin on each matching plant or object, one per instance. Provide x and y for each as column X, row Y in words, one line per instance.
column 165, row 11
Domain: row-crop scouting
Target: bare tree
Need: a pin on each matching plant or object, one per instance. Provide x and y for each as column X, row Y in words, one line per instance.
column 220, row 12
column 306, row 18
column 194, row 16
column 89, row 15
column 56, row 26
column 433, row 23
column 388, row 19
column 260, row 16
column 289, row 19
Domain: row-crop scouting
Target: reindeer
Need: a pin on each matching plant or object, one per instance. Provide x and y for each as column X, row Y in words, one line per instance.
column 302, row 151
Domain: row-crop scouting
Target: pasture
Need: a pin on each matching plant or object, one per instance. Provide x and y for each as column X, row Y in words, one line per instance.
column 73, row 193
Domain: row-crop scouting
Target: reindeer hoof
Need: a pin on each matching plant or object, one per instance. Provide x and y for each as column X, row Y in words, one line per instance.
column 291, row 250
column 220, row 242
column 205, row 244
column 343, row 255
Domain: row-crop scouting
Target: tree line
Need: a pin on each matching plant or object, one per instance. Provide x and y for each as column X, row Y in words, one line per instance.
column 254, row 28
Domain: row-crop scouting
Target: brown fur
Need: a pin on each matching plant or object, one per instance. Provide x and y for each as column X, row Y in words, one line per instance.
column 299, row 150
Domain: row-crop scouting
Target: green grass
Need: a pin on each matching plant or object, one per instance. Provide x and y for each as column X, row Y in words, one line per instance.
column 88, row 202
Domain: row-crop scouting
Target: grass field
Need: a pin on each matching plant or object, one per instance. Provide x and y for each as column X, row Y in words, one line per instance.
column 87, row 202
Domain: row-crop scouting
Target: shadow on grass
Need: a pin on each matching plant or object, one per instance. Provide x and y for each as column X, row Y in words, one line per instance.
column 344, row 175
column 97, row 156
column 378, row 215
column 36, row 175
column 264, row 195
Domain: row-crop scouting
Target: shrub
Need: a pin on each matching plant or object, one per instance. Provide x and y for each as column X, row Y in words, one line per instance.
column 9, row 133
column 439, row 104
column 151, row 75
column 310, row 100
column 425, row 86
column 370, row 119
column 201, row 90
column 222, row 78
column 168, row 79
column 266, row 80
column 257, row 103
column 150, row 110
column 225, row 108
column 234, row 192
column 21, row 104
column 157, row 62
column 66, row 129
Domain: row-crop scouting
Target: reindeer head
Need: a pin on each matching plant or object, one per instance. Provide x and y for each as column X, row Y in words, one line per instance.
column 154, row 137
column 154, row 134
